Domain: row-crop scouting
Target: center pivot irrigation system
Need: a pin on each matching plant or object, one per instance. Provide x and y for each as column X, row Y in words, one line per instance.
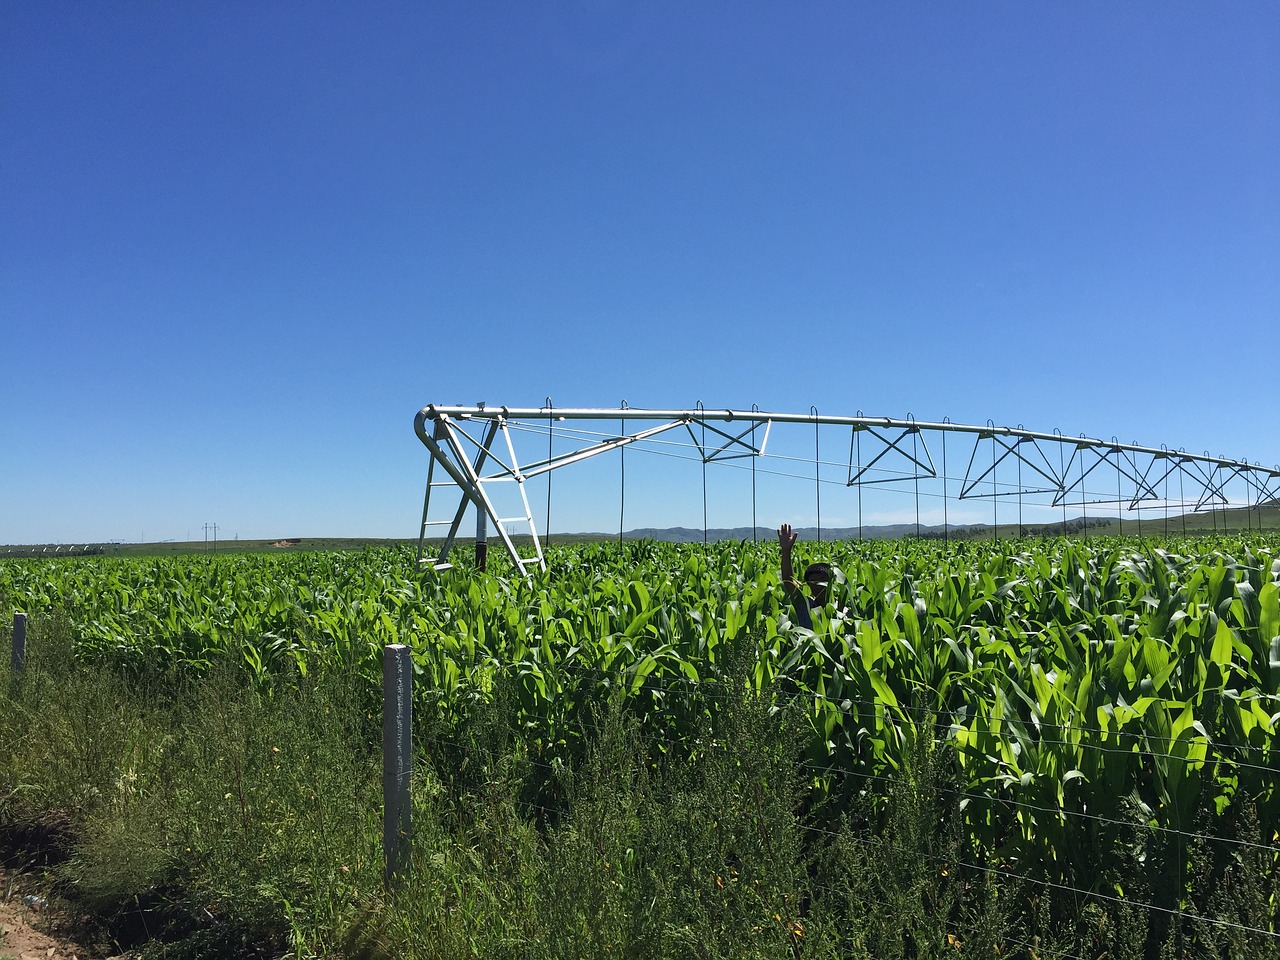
column 474, row 450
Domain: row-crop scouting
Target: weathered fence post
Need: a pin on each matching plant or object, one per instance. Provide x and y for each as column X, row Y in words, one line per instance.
column 19, row 642
column 397, row 759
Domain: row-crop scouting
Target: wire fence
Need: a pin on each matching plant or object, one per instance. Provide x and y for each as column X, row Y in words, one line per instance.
column 715, row 695
column 720, row 694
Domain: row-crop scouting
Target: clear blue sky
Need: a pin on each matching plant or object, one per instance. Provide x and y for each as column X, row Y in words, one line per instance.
column 241, row 244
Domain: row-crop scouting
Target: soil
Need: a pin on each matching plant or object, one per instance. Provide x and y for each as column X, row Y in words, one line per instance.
column 29, row 928
column 34, row 926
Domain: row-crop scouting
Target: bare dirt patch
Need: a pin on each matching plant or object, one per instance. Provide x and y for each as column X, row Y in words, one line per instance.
column 287, row 543
column 28, row 929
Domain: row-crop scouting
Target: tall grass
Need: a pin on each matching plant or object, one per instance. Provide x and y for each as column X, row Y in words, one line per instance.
column 207, row 814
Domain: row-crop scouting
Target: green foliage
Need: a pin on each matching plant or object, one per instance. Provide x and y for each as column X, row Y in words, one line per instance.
column 1092, row 719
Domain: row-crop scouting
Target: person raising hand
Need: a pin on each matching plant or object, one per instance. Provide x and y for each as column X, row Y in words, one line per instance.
column 817, row 576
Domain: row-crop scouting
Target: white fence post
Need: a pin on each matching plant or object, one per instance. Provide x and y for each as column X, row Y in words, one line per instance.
column 19, row 642
column 397, row 759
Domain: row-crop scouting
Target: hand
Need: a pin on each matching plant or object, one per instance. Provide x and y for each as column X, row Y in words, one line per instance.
column 786, row 538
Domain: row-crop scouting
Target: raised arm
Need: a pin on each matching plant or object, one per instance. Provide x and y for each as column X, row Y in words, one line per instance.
column 790, row 585
column 786, row 540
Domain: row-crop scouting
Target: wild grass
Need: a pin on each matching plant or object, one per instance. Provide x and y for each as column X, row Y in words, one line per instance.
column 205, row 815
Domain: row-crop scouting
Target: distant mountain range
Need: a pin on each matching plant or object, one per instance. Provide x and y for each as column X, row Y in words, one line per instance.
column 889, row 531
column 1268, row 517
column 1264, row 517
column 690, row 535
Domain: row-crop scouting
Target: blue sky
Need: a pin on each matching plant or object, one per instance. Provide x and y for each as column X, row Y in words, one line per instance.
column 242, row 244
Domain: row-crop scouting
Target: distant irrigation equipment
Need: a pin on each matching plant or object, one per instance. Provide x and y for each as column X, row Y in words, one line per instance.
column 478, row 450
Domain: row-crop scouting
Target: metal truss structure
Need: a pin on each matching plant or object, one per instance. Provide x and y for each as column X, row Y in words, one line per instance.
column 474, row 449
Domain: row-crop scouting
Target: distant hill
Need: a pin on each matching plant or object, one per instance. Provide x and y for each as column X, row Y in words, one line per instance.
column 1266, row 517
column 688, row 535
column 890, row 531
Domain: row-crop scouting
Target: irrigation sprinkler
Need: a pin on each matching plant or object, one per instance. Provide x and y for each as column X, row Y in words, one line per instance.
column 474, row 450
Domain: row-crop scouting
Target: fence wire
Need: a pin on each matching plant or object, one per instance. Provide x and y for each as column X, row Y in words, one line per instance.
column 550, row 813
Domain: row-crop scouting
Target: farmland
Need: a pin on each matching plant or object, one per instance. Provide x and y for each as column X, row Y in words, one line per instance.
column 1034, row 747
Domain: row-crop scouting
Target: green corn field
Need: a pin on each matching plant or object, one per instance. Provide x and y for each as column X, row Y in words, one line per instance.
column 1104, row 709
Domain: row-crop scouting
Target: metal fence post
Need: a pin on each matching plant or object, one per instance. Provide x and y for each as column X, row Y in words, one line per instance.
column 19, row 642
column 397, row 759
